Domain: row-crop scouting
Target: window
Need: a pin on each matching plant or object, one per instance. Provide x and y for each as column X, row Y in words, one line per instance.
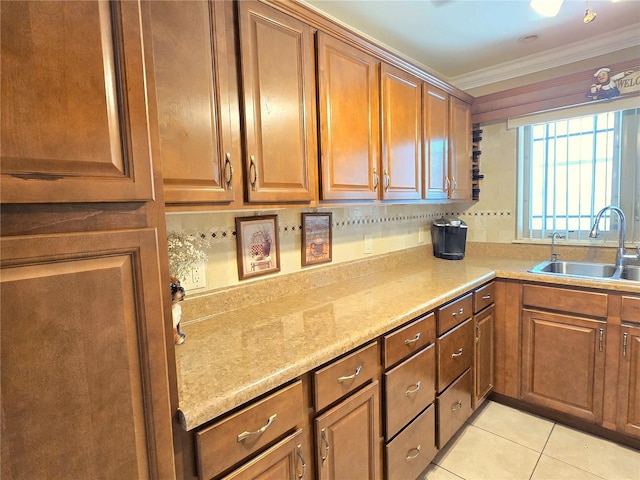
column 572, row 168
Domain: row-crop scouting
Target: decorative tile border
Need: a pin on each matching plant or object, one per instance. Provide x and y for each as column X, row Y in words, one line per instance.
column 488, row 213
column 225, row 233
column 288, row 226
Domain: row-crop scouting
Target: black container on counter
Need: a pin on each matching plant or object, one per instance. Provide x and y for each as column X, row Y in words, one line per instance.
column 449, row 237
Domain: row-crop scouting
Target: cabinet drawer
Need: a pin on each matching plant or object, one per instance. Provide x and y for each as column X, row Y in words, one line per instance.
column 410, row 452
column 400, row 344
column 409, row 388
column 345, row 375
column 575, row 302
column 630, row 309
column 453, row 408
column 455, row 353
column 229, row 441
column 484, row 296
column 454, row 313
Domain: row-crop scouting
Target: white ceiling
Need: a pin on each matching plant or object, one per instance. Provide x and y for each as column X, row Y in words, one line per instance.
column 475, row 42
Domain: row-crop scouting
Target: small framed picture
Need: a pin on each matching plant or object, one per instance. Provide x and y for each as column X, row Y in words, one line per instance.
column 258, row 246
column 316, row 238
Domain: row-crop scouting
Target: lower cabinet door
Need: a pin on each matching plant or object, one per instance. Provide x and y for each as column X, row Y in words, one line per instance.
column 83, row 360
column 454, row 407
column 483, row 362
column 283, row 461
column 348, row 439
column 413, row 449
column 563, row 363
column 629, row 382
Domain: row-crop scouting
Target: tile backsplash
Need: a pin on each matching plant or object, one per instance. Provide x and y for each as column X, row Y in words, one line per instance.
column 390, row 228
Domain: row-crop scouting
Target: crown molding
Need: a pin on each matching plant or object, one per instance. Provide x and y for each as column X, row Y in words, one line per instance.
column 573, row 52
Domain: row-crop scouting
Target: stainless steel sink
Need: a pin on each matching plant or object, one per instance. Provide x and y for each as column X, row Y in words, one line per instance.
column 631, row 272
column 576, row 269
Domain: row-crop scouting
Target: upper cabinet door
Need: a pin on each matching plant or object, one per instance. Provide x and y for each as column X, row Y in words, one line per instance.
column 436, row 142
column 401, row 104
column 349, row 119
column 192, row 64
column 279, row 105
column 74, row 119
column 460, row 149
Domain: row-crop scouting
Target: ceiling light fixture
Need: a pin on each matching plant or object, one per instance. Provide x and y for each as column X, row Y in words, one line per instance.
column 548, row 8
column 589, row 15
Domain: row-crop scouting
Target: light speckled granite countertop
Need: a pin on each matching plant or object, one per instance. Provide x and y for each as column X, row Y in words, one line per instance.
column 234, row 356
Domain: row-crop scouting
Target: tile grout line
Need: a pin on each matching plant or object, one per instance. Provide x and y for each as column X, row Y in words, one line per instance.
column 541, row 451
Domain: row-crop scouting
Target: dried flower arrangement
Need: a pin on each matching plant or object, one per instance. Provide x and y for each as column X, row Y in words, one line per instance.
column 186, row 250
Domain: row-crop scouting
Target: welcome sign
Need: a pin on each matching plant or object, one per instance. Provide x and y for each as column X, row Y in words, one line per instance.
column 607, row 84
column 629, row 83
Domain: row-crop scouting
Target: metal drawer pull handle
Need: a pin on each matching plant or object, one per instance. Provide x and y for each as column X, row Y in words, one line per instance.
column 323, row 437
column 486, row 297
column 246, row 434
column 301, row 457
column 457, row 354
column 601, row 342
column 410, row 391
column 413, row 340
column 253, row 172
column 460, row 312
column 456, row 406
column 228, row 171
column 350, row 377
column 417, row 449
column 624, row 344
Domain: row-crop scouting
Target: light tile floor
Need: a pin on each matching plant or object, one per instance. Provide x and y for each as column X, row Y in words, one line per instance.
column 500, row 443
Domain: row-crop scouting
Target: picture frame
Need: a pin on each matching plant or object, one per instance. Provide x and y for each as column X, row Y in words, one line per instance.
column 317, row 241
column 258, row 246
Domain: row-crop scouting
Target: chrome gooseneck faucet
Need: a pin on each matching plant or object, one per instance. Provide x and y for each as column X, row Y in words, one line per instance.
column 554, row 255
column 622, row 231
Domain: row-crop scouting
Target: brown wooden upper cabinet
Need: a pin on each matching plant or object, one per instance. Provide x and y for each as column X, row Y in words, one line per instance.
column 278, row 89
column 401, row 128
column 194, row 86
column 348, row 84
column 459, row 149
column 436, row 142
column 447, row 145
column 73, row 115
